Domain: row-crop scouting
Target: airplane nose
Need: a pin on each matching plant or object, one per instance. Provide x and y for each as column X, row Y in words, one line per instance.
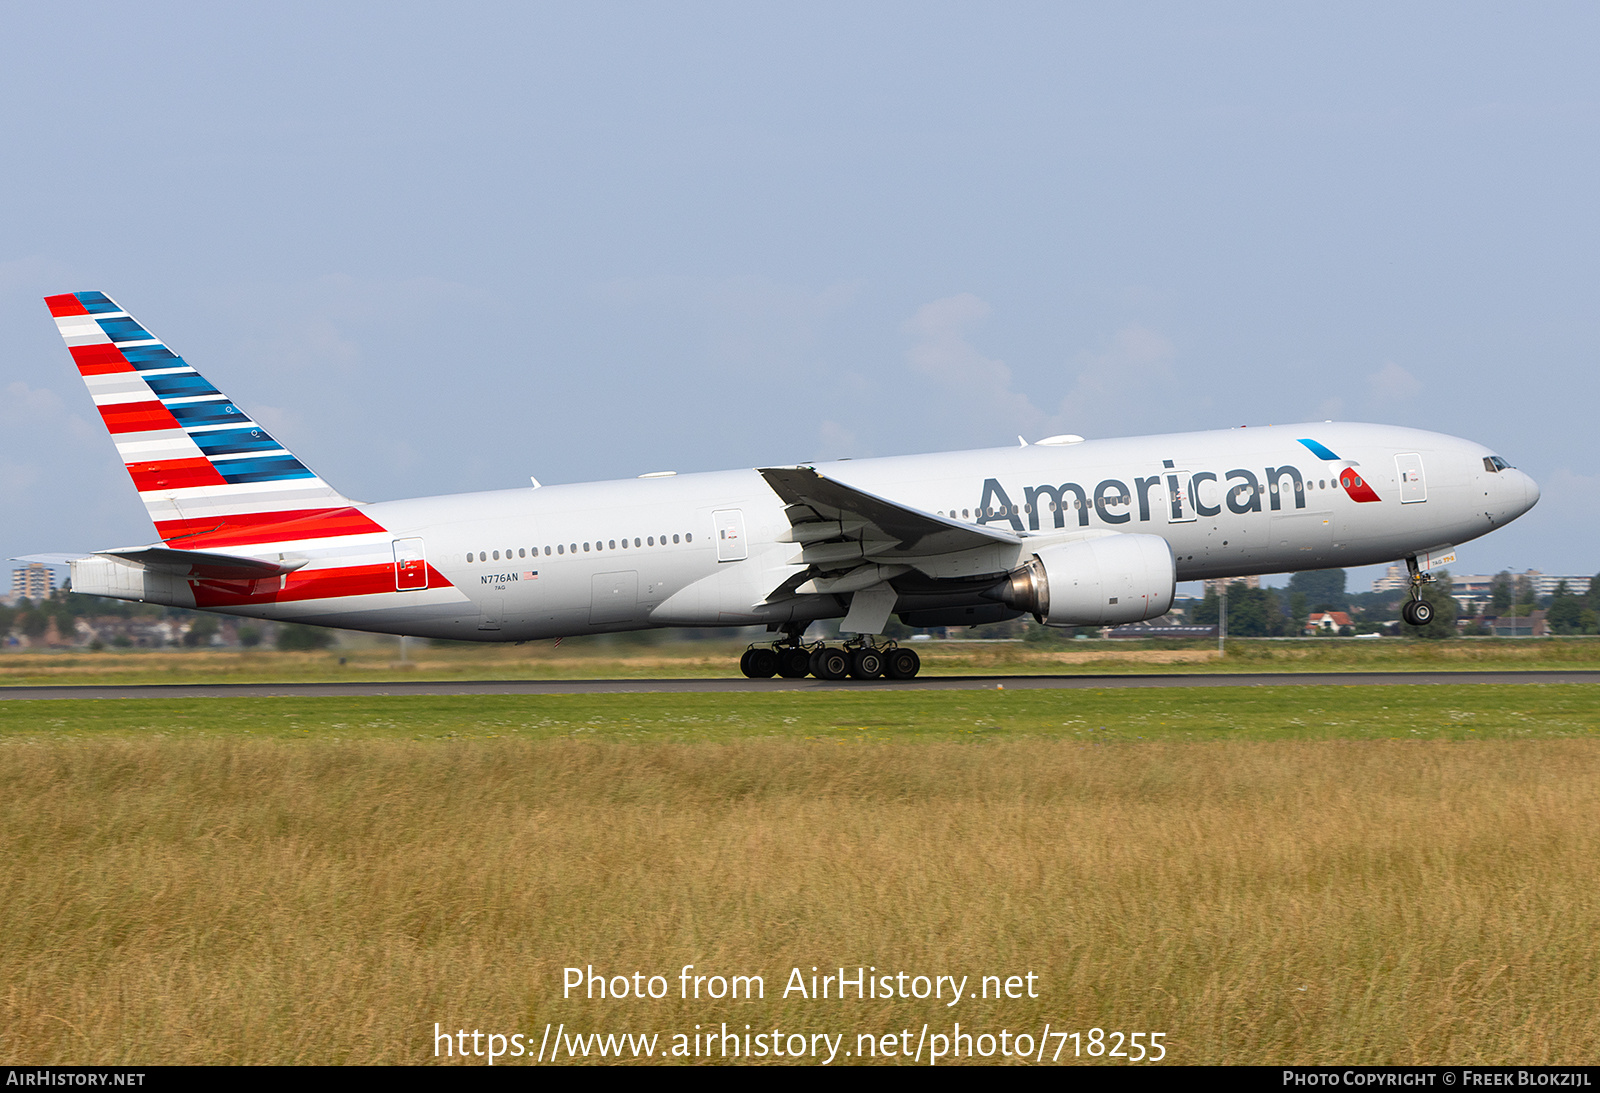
column 1530, row 491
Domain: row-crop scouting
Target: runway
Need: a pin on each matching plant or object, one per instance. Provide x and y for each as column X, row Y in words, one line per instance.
column 740, row 685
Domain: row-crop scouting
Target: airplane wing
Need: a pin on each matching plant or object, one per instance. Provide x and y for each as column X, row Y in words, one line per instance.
column 894, row 532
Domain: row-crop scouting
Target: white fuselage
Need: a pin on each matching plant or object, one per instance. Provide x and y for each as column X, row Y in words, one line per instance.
column 710, row 549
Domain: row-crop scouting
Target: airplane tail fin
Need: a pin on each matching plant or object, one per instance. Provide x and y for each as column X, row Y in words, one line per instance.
column 207, row 473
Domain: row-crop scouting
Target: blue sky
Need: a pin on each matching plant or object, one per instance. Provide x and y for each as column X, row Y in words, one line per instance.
column 441, row 248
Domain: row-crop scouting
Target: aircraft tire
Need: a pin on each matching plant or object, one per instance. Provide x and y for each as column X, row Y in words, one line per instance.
column 902, row 664
column 866, row 664
column 794, row 663
column 1421, row 613
column 829, row 663
column 763, row 663
column 744, row 664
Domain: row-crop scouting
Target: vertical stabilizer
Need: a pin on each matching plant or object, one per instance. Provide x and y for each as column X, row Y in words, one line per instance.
column 207, row 473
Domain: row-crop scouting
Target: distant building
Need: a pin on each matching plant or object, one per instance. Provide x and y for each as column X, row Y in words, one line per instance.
column 1218, row 584
column 1546, row 584
column 1333, row 621
column 1394, row 579
column 36, row 582
column 1518, row 626
column 1473, row 590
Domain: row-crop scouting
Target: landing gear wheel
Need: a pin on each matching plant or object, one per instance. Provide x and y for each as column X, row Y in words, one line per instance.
column 866, row 663
column 1417, row 612
column 744, row 664
column 829, row 663
column 794, row 663
column 760, row 663
column 901, row 664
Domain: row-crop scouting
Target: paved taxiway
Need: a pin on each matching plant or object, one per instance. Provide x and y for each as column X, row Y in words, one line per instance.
column 718, row 686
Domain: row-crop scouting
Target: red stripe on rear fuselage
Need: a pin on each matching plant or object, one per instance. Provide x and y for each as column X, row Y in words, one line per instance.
column 267, row 527
column 315, row 584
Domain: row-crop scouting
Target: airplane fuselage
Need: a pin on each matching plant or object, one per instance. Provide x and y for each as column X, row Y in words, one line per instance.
column 716, row 549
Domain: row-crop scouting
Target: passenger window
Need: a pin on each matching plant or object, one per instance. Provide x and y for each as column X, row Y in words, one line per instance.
column 688, row 538
column 586, row 548
column 651, row 541
column 636, row 541
column 497, row 555
column 612, row 544
column 559, row 549
column 965, row 513
column 674, row 538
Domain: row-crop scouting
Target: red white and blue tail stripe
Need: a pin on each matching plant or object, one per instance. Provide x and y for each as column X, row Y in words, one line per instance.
column 208, row 474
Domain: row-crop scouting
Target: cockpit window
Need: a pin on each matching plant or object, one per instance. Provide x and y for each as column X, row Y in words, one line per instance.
column 1494, row 464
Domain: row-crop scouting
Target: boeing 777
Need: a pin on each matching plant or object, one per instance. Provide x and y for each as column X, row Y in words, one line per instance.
column 1074, row 532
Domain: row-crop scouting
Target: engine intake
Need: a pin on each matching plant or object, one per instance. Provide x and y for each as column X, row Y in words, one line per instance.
column 1095, row 582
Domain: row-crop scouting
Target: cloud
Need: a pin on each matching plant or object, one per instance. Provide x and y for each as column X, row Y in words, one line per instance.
column 35, row 276
column 940, row 352
column 1130, row 381
column 743, row 322
column 1123, row 382
column 28, row 405
column 1391, row 383
column 326, row 322
column 836, row 442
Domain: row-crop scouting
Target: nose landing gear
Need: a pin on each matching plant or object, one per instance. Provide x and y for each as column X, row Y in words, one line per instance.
column 1417, row 611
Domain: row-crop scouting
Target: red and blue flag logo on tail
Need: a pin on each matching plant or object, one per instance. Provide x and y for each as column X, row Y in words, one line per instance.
column 208, row 474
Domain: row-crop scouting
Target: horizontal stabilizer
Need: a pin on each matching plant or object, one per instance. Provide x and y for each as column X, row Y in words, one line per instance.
column 51, row 559
column 204, row 563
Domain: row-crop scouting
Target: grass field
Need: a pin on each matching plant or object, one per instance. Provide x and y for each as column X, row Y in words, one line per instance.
column 629, row 658
column 1306, row 874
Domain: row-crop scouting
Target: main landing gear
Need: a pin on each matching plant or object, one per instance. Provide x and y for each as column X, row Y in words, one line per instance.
column 860, row 658
column 1417, row 611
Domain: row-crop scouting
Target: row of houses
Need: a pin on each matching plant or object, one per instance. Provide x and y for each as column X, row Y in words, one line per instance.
column 1335, row 623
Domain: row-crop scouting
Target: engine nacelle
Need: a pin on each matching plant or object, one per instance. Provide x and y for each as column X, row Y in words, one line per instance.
column 1096, row 582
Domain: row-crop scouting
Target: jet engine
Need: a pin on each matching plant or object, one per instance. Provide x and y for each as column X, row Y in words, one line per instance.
column 1095, row 582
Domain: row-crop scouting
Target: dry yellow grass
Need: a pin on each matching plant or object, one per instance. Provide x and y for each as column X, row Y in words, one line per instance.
column 278, row 901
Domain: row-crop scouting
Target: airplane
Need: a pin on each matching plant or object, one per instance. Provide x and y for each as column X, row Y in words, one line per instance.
column 1074, row 532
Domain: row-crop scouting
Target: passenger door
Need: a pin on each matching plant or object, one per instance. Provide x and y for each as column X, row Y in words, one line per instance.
column 729, row 526
column 410, row 565
column 1413, row 486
